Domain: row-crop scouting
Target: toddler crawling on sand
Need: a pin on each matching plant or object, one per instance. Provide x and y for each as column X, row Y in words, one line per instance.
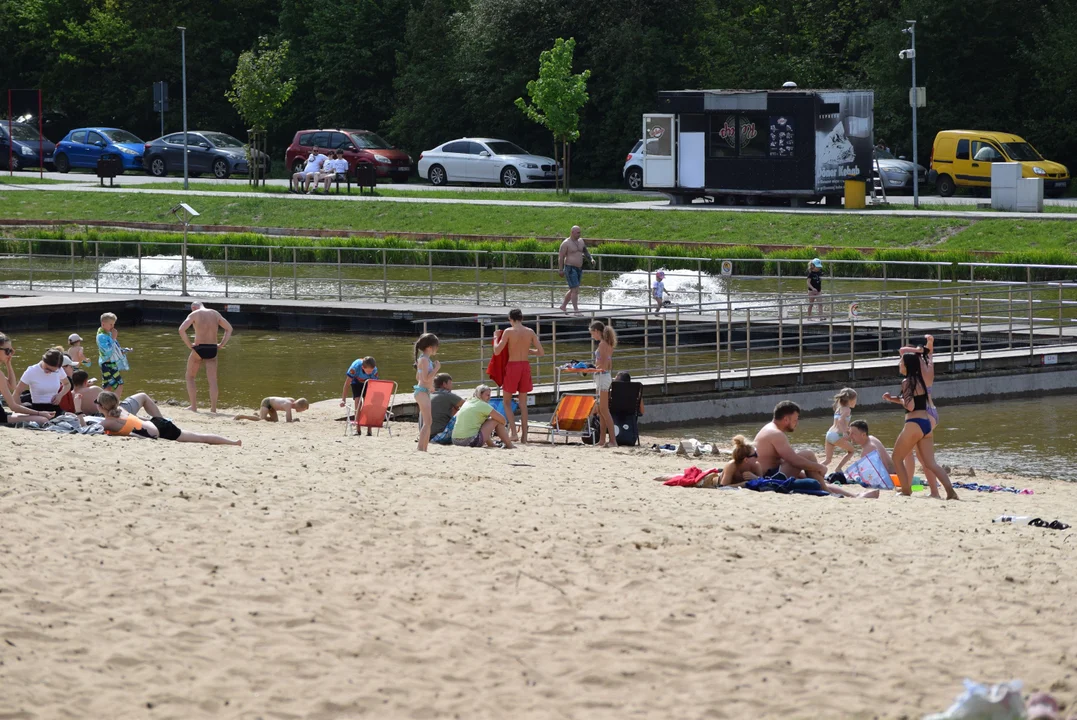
column 272, row 405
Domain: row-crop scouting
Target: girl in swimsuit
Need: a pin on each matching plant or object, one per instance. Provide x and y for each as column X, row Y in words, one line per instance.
column 425, row 370
column 916, row 433
column 607, row 341
column 838, row 434
column 928, row 367
column 121, row 419
column 7, row 381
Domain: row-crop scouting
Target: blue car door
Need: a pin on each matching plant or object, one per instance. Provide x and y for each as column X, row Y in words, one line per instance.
column 95, row 147
column 75, row 149
column 200, row 158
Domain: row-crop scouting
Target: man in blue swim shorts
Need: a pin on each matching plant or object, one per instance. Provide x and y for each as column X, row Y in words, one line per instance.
column 570, row 267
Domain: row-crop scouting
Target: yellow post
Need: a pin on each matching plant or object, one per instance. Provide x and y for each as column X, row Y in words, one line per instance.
column 854, row 194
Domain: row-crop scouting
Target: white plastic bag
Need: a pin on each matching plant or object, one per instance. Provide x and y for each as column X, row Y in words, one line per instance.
column 986, row 702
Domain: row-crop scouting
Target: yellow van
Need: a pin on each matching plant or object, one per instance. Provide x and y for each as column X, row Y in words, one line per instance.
column 962, row 158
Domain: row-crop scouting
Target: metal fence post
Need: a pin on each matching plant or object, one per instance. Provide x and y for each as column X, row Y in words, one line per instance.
column 1031, row 334
column 72, row 266
column 718, row 347
column 1009, row 313
column 138, row 251
column 385, row 276
column 979, row 334
column 30, row 261
column 699, row 283
column 553, row 342
column 748, row 347
column 882, row 311
column 852, row 347
column 430, row 274
column 96, row 268
column 677, row 341
column 800, row 344
column 340, row 276
column 952, row 333
column 885, row 273
column 646, row 340
column 538, row 363
column 478, row 287
column 830, row 334
column 227, row 274
column 781, row 329
column 665, row 372
column 729, row 328
column 958, row 318
column 553, row 273
column 270, row 248
column 295, row 274
column 482, row 348
column 601, row 283
column 1060, row 320
column 504, row 279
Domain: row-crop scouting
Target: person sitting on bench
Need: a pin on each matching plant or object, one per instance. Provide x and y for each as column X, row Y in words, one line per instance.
column 335, row 169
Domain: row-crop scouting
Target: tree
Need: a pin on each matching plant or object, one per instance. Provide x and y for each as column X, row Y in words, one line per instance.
column 557, row 96
column 259, row 91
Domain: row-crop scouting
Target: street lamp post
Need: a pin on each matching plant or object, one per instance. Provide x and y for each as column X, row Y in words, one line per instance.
column 914, row 100
column 183, row 71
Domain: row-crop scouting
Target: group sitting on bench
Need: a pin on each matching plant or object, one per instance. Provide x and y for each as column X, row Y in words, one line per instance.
column 320, row 168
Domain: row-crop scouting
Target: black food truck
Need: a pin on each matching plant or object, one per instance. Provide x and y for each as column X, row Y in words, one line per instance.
column 789, row 144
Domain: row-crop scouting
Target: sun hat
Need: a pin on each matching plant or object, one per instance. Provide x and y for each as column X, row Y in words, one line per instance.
column 74, row 338
column 817, row 262
column 66, row 362
column 660, row 274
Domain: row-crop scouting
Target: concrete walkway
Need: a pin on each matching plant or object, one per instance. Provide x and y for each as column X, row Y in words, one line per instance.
column 83, row 183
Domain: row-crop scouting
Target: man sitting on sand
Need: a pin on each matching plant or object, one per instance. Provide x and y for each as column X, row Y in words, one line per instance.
column 777, row 455
column 444, row 403
column 83, row 394
column 858, row 433
column 522, row 344
column 272, row 405
column 203, row 350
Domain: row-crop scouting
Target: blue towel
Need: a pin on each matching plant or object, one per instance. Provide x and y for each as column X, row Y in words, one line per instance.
column 786, row 486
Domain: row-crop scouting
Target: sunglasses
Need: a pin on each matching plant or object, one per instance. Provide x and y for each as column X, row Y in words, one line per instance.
column 9, row 351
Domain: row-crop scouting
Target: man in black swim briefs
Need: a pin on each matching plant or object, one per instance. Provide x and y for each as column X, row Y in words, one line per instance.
column 204, row 349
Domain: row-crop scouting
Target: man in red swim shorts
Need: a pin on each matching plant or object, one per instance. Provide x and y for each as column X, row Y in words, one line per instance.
column 522, row 343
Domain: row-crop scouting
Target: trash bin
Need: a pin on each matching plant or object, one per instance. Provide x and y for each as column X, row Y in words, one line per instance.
column 855, row 191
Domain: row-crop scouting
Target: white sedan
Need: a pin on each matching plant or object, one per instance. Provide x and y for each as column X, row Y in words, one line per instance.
column 485, row 160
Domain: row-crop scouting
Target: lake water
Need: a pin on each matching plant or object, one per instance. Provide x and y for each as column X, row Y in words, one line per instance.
column 1032, row 437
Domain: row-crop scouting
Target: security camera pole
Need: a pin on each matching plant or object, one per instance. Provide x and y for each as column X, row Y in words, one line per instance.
column 183, row 64
column 914, row 98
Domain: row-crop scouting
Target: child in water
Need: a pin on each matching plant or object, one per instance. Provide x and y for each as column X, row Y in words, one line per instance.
column 838, row 434
column 425, row 370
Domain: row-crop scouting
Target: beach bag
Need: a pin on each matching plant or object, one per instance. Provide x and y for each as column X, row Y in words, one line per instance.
column 596, row 426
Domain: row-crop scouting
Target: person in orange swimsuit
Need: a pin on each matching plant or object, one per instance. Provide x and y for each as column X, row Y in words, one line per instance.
column 122, row 420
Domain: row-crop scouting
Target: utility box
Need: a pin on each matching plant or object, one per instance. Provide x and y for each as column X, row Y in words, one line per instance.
column 789, row 144
column 855, row 194
column 1013, row 193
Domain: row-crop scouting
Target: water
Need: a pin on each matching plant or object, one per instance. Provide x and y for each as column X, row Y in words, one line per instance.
column 1034, row 437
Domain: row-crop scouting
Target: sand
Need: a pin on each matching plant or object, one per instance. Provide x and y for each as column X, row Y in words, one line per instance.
column 308, row 575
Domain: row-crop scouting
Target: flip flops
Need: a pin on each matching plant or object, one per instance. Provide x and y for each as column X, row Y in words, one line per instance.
column 1053, row 525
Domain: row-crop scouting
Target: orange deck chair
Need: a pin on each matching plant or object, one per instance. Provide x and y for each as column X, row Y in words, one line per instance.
column 572, row 419
column 375, row 408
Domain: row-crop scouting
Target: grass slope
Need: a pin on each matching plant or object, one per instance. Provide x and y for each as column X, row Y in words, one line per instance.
column 611, row 223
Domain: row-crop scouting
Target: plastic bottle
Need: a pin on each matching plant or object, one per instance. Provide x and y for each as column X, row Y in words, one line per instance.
column 1013, row 519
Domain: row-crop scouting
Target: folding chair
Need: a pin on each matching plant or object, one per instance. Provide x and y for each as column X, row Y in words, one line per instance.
column 625, row 398
column 374, row 408
column 572, row 419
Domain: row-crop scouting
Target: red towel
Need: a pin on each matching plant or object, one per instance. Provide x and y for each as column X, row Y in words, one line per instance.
column 690, row 477
column 496, row 369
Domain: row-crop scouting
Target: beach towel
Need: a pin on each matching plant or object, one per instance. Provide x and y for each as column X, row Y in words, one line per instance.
column 495, row 370
column 110, row 351
column 445, row 436
column 976, row 487
column 786, row 486
column 689, row 478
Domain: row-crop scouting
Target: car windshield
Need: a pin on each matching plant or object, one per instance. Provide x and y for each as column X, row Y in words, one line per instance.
column 1021, row 151
column 122, row 136
column 504, row 147
column 884, row 155
column 370, row 141
column 222, row 140
column 23, row 132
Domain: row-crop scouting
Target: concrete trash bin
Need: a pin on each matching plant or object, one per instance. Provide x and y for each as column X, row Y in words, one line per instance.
column 855, row 193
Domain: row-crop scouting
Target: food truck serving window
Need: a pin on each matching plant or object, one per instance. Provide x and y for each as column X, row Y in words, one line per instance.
column 751, row 135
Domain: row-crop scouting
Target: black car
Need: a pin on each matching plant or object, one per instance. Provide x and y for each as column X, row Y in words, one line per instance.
column 207, row 152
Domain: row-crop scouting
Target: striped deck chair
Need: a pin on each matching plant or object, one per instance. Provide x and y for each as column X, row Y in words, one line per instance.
column 572, row 419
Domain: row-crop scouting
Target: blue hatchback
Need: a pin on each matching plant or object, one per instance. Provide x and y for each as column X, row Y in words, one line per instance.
column 82, row 148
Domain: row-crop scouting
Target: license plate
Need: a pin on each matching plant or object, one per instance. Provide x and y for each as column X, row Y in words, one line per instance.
column 404, row 168
column 1059, row 184
column 48, row 158
column 549, row 174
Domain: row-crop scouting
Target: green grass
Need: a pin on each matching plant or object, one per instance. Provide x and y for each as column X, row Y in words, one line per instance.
column 23, row 178
column 976, row 208
column 519, row 195
column 658, row 226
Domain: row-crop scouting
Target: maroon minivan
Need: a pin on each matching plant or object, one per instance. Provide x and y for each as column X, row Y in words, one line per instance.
column 358, row 145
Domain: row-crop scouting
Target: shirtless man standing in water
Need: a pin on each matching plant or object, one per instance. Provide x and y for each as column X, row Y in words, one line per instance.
column 203, row 350
column 777, row 454
column 522, row 344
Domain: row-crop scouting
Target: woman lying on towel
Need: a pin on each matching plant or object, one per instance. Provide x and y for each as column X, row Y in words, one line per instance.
column 743, row 467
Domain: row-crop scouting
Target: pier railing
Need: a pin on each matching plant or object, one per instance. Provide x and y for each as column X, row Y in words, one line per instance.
column 730, row 341
column 432, row 276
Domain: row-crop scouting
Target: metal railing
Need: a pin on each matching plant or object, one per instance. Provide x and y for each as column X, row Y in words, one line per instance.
column 432, row 276
column 732, row 341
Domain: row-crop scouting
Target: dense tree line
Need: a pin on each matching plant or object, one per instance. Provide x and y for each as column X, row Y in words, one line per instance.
column 424, row 71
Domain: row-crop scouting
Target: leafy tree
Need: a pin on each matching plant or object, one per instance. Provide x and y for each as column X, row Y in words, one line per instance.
column 259, row 91
column 557, row 96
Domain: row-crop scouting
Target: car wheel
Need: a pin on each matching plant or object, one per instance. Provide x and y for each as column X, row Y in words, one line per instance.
column 945, row 186
column 63, row 165
column 14, row 164
column 158, row 167
column 297, row 166
column 634, row 178
column 437, row 175
column 221, row 169
column 510, row 177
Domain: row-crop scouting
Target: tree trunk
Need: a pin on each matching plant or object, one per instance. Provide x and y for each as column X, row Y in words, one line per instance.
column 556, row 179
column 568, row 168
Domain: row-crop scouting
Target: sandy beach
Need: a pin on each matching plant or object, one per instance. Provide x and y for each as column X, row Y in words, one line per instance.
column 309, row 575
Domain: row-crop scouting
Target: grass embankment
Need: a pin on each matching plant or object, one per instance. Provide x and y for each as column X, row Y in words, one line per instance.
column 615, row 256
column 399, row 191
column 792, row 228
column 24, row 179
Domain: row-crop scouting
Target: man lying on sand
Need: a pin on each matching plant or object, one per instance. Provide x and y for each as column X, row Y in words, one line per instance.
column 121, row 418
column 272, row 405
column 777, row 455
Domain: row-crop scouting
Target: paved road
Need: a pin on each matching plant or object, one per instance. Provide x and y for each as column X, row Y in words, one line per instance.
column 130, row 182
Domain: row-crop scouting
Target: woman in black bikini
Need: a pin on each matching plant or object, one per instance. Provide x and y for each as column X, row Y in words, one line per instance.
column 916, row 433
